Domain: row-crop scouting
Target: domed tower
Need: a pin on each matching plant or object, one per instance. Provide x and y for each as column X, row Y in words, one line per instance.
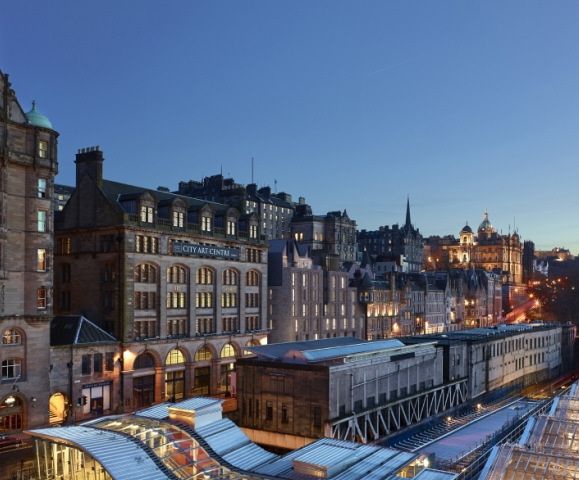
column 485, row 229
column 28, row 165
column 466, row 236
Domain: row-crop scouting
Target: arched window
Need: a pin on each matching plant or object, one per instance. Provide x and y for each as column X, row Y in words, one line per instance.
column 252, row 278
column 145, row 273
column 176, row 274
column 229, row 277
column 145, row 360
column 12, row 337
column 204, row 276
column 11, row 368
column 204, row 353
column 175, row 357
column 251, row 343
column 227, row 351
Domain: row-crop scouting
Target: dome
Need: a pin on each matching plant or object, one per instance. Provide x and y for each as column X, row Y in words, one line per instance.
column 37, row 119
column 485, row 224
column 466, row 229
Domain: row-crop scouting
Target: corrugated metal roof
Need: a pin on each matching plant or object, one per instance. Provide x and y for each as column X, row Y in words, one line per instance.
column 120, row 457
column 277, row 351
column 161, row 411
column 430, row 474
column 229, row 442
column 347, row 350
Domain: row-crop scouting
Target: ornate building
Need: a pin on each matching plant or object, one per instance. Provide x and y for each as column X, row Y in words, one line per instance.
column 28, row 165
column 180, row 282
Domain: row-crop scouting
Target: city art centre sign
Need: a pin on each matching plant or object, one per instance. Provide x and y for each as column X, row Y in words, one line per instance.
column 181, row 248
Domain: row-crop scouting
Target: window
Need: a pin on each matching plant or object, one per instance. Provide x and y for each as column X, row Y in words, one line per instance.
column 176, row 274
column 178, row 219
column 41, row 295
column 42, row 188
column 146, row 244
column 252, row 278
column 204, row 299
column 229, row 299
column 205, row 224
column 42, row 217
column 176, row 300
column 176, row 327
column 175, row 357
column 97, row 365
column 269, row 411
column 109, row 361
column 205, row 326
column 65, row 245
column 11, row 337
column 227, row 351
column 253, row 231
column 43, row 149
column 144, row 300
column 231, row 227
column 284, row 413
column 204, row 353
column 276, row 384
column 146, row 214
column 145, row 273
column 65, row 273
column 229, row 277
column 41, row 255
column 144, row 360
column 11, row 369
column 229, row 324
column 85, row 365
column 204, row 276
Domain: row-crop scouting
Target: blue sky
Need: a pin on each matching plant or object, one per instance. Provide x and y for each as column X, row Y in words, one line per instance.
column 462, row 106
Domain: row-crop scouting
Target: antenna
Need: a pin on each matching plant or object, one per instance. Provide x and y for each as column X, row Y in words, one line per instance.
column 251, row 169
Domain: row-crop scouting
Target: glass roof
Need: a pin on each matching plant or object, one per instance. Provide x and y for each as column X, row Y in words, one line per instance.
column 176, row 449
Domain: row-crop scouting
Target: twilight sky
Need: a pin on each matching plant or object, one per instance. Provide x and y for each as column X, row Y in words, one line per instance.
column 462, row 106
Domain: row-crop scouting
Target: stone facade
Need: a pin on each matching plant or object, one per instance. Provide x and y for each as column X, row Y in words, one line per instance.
column 182, row 283
column 28, row 165
column 308, row 301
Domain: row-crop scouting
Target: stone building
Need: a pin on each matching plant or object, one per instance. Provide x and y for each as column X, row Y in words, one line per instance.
column 275, row 210
column 28, row 165
column 332, row 235
column 181, row 282
column 403, row 245
column 307, row 298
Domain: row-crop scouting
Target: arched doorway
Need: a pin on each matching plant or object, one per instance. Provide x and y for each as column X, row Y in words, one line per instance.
column 11, row 414
column 57, row 405
column 144, row 380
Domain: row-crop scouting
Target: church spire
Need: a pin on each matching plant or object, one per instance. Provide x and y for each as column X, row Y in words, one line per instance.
column 408, row 222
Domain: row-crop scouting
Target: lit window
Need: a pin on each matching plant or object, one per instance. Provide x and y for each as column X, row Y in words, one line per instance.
column 178, row 219
column 146, row 214
column 11, row 337
column 175, row 357
column 41, row 252
column 205, row 224
column 227, row 351
column 42, row 188
column 42, row 149
column 41, row 298
column 231, row 227
column 204, row 353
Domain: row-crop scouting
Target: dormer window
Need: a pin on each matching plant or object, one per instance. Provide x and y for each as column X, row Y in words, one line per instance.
column 146, row 214
column 178, row 219
column 231, row 227
column 253, row 231
column 205, row 223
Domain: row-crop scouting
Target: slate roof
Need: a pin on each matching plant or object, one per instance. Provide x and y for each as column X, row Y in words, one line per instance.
column 75, row 330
